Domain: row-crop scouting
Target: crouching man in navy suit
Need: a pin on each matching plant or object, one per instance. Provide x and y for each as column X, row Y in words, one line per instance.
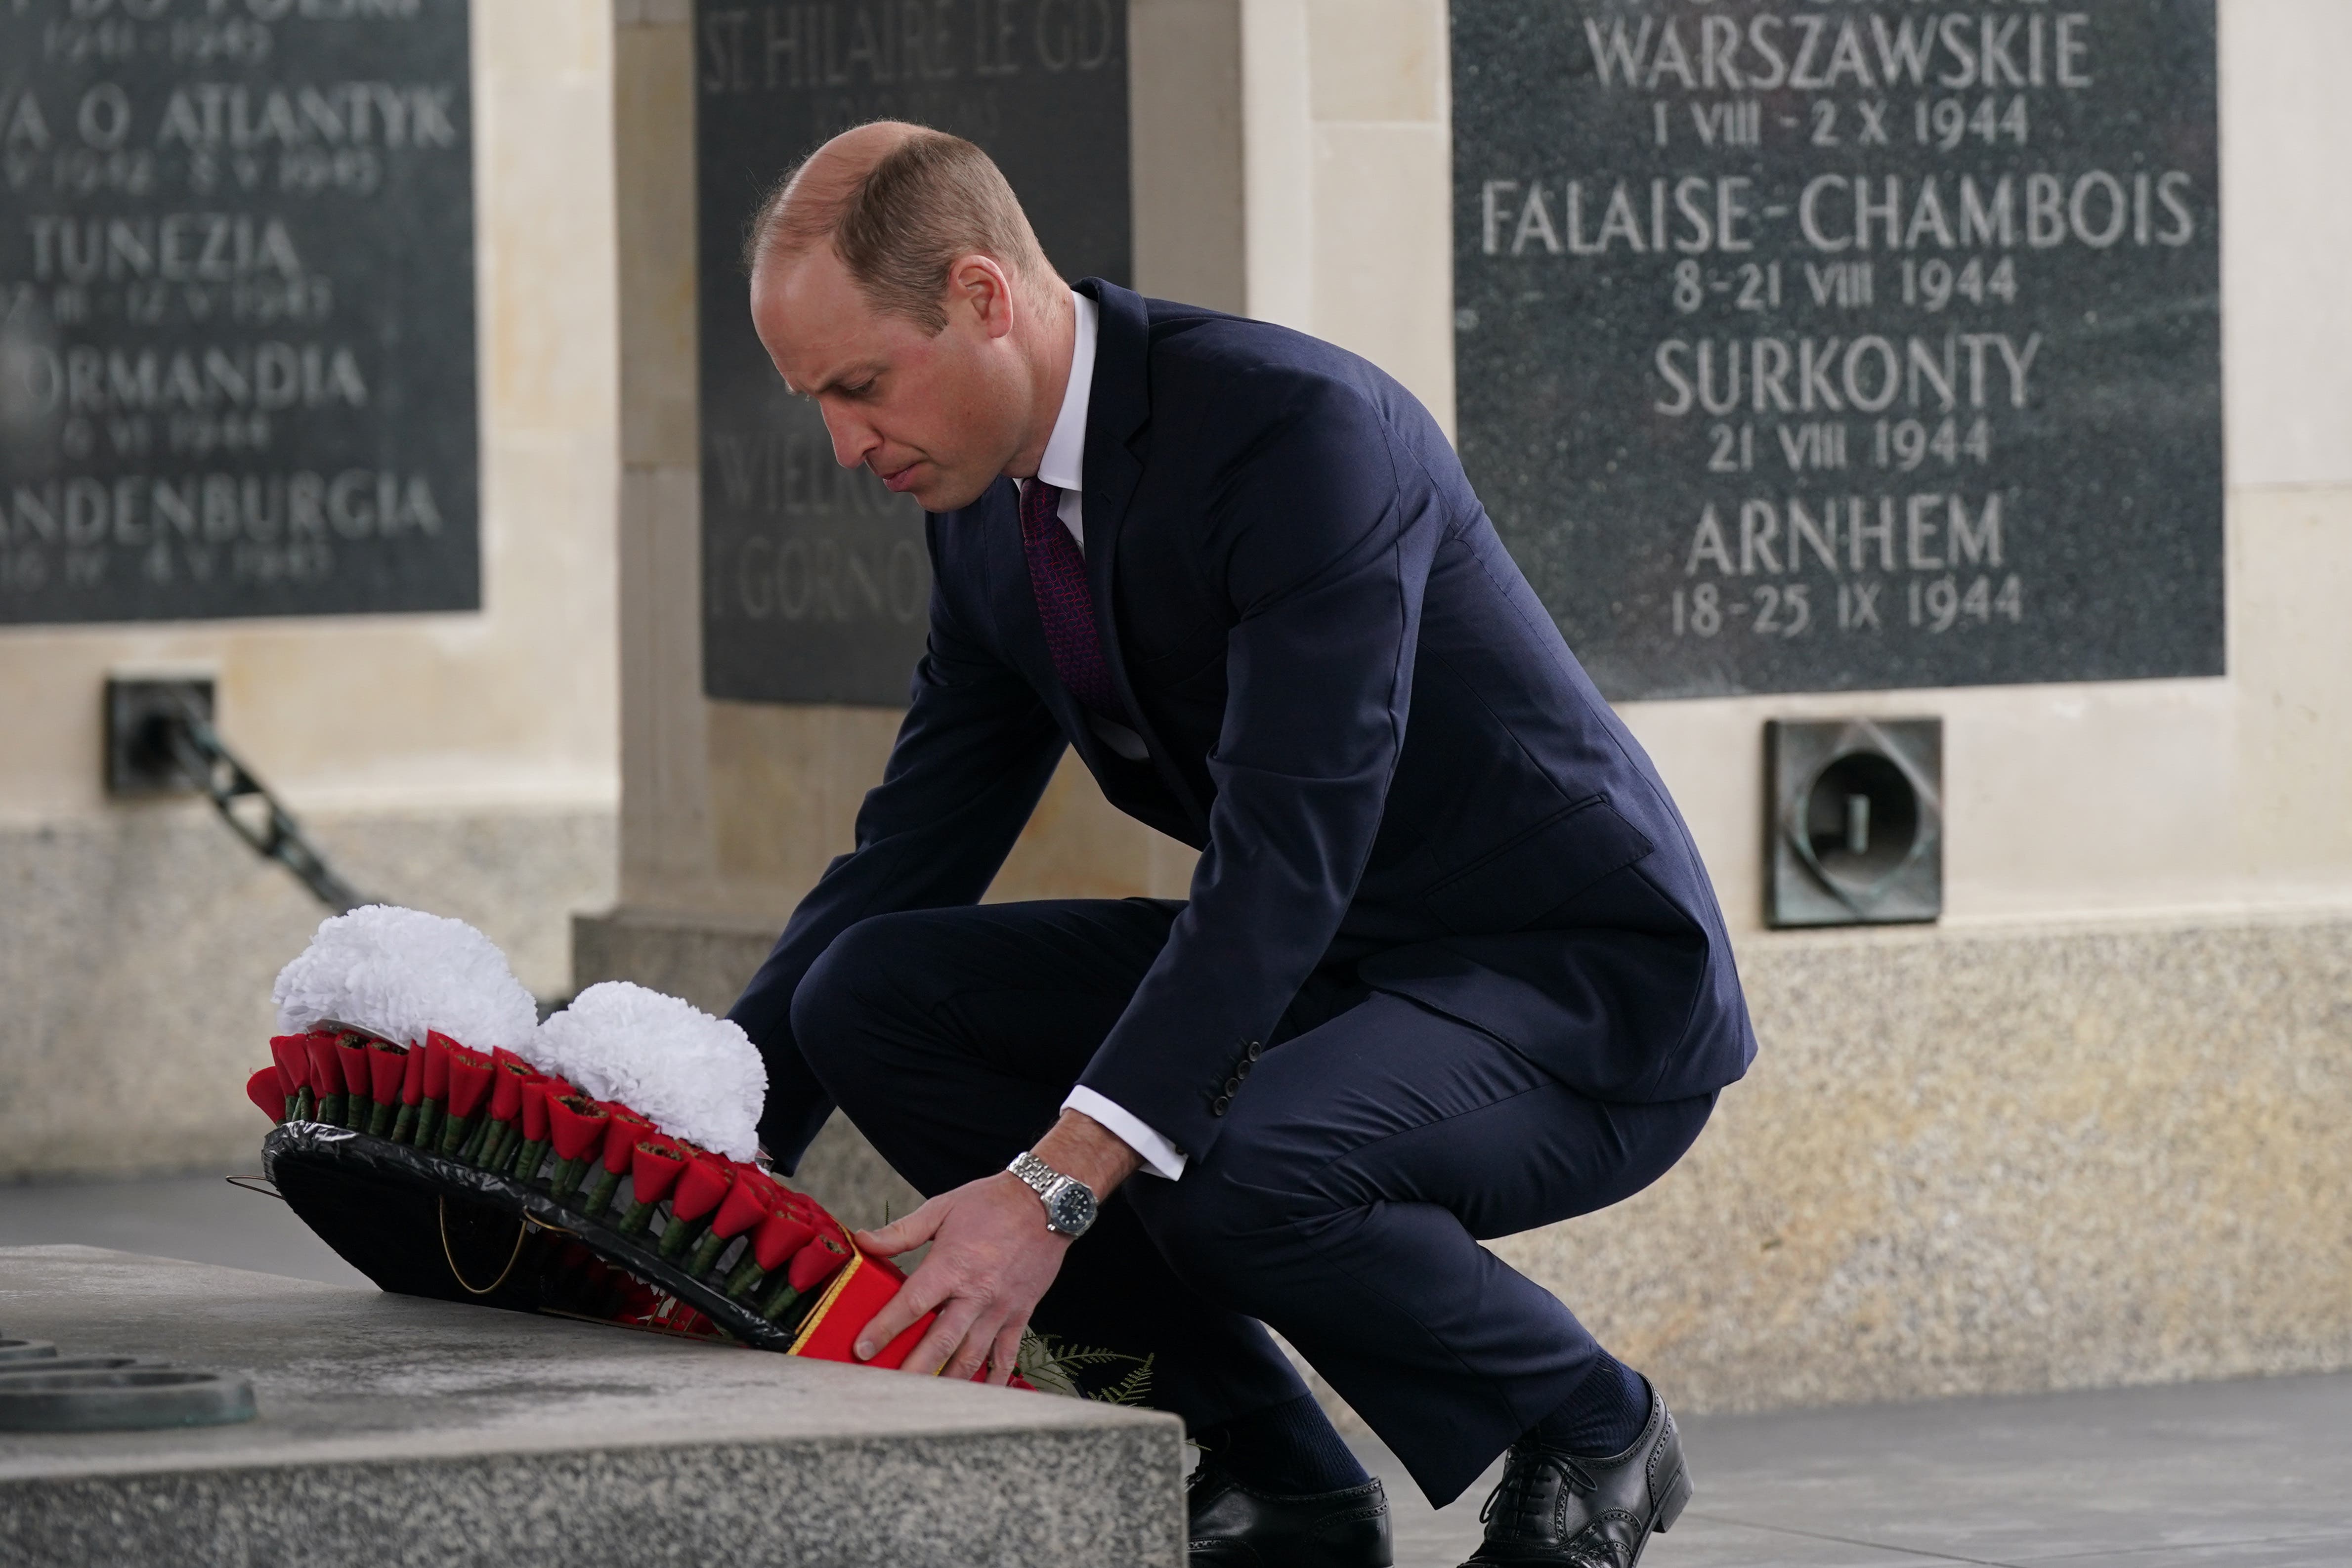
column 1451, row 967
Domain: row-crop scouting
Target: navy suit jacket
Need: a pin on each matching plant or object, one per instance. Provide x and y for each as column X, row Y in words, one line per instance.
column 1355, row 709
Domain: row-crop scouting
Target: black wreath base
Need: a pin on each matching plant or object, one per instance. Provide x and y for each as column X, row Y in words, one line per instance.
column 419, row 1224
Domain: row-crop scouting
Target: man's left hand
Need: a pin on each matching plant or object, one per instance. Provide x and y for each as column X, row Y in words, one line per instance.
column 991, row 1258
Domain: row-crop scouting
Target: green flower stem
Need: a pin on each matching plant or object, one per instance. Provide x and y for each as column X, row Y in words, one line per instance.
column 600, row 1192
column 428, row 1126
column 306, row 1108
column 780, row 1296
column 639, row 1219
column 403, row 1126
column 565, row 1176
column 477, row 1138
column 675, row 1239
column 357, row 1109
column 379, row 1119
column 495, row 1151
column 292, row 1101
column 745, row 1278
column 527, row 1163
column 454, row 1133
column 705, row 1252
column 330, row 1109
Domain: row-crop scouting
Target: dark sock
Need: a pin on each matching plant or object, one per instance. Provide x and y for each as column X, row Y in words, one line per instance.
column 1604, row 1416
column 1288, row 1449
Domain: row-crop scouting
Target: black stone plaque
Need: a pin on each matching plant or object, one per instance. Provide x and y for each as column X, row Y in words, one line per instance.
column 236, row 309
column 816, row 587
column 1812, row 346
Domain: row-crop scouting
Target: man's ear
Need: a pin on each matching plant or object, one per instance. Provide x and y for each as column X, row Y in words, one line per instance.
column 977, row 284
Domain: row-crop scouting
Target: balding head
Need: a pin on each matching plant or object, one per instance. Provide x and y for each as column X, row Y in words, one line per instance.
column 895, row 283
column 899, row 205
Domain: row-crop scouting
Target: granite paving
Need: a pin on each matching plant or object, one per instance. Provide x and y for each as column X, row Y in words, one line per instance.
column 2254, row 1472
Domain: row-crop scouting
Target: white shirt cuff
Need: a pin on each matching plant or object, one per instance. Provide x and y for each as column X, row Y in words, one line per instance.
column 1161, row 1158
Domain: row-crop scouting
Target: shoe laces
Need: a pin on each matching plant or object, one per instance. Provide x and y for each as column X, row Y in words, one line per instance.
column 1519, row 1474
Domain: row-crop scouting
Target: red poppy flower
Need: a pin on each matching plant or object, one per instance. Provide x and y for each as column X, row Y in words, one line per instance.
column 469, row 1081
column 699, row 1189
column 508, row 1074
column 777, row 1236
column 387, row 1066
column 351, row 1051
column 263, row 1091
column 820, row 1260
column 436, row 1065
column 746, row 1204
column 577, row 1124
column 780, row 1236
column 534, row 1110
column 655, row 1165
column 411, row 1092
column 326, row 1067
column 292, row 1053
column 778, row 1197
column 621, row 1137
column 744, row 1207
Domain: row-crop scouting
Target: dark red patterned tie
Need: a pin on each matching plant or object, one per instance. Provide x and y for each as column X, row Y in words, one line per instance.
column 1058, row 576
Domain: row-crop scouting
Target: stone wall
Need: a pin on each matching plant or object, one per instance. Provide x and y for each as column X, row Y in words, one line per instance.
column 465, row 763
column 1993, row 1163
column 136, row 957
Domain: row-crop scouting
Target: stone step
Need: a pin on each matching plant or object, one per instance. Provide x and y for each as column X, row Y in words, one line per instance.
column 398, row 1431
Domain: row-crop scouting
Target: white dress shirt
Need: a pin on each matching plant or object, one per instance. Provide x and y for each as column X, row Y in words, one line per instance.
column 1064, row 464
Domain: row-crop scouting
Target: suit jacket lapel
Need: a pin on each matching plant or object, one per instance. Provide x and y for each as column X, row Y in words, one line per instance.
column 1118, row 409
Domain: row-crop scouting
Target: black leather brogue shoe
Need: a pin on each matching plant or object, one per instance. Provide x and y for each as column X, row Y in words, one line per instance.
column 1558, row 1510
column 1231, row 1526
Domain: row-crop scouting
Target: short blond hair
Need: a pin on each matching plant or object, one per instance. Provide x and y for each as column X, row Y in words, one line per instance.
column 898, row 228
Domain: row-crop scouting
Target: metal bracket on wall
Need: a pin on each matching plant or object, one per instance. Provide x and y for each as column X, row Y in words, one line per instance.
column 1855, row 822
column 160, row 740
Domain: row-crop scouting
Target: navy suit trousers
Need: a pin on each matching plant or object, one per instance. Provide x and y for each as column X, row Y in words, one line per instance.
column 1365, row 1157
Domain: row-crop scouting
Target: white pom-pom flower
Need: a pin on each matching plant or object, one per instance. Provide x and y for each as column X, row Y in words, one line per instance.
column 398, row 973
column 695, row 1076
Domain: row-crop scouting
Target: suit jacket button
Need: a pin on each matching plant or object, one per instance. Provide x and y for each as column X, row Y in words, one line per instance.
column 1241, row 1068
column 1255, row 1049
column 1217, row 1107
column 1233, row 1087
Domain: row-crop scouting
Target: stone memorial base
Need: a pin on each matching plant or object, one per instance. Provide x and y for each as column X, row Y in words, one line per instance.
column 1969, row 1160
column 397, row 1431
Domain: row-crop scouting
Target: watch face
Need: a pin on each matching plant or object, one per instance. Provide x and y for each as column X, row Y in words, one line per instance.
column 1072, row 1209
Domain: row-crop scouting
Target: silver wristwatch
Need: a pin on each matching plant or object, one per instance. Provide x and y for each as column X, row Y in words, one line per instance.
column 1070, row 1205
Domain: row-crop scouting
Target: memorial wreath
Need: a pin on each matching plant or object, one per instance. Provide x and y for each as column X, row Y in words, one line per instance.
column 601, row 1164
